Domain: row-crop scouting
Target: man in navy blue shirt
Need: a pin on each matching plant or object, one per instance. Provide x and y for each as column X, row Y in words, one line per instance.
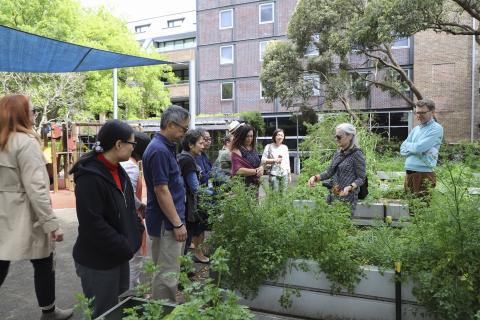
column 165, row 211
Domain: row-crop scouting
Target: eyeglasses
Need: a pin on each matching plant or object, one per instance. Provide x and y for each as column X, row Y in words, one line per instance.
column 207, row 139
column 338, row 137
column 421, row 113
column 134, row 143
column 185, row 129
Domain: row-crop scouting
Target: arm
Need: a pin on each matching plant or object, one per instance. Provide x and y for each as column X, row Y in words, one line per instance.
column 324, row 175
column 403, row 147
column 192, row 182
column 427, row 141
column 34, row 177
column 165, row 201
column 360, row 169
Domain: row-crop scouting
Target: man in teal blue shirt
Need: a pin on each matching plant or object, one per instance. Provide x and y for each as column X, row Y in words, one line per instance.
column 421, row 149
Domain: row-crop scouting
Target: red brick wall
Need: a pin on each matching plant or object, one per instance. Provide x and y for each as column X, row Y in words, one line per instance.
column 443, row 73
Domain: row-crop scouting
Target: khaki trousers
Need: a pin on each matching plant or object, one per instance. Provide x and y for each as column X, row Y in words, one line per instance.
column 165, row 253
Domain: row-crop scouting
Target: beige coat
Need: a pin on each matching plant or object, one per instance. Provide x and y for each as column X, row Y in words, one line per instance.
column 26, row 216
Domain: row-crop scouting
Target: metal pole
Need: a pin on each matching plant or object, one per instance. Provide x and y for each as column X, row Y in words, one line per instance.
column 192, row 93
column 474, row 66
column 398, row 291
column 115, row 102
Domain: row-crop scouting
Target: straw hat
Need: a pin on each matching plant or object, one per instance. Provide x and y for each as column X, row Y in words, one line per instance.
column 233, row 126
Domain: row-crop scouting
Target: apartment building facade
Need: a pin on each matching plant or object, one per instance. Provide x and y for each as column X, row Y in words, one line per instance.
column 173, row 36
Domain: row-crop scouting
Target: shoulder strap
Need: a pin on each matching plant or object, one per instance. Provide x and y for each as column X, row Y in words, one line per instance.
column 348, row 155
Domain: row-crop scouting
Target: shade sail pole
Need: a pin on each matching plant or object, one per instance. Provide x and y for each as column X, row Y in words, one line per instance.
column 115, row 102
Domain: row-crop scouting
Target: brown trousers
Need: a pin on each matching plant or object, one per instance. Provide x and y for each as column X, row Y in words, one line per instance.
column 418, row 183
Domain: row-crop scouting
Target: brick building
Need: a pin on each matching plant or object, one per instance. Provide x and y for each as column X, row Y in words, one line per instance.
column 174, row 36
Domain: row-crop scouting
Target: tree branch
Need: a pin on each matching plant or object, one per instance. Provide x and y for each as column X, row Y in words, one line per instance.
column 469, row 7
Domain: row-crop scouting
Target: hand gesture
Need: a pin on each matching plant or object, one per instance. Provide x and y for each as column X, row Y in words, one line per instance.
column 311, row 182
column 345, row 191
column 57, row 235
column 260, row 171
column 180, row 233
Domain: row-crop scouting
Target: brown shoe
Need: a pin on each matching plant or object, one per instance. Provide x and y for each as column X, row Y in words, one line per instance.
column 57, row 314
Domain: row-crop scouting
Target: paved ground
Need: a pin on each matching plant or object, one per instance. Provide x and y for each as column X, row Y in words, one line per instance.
column 17, row 295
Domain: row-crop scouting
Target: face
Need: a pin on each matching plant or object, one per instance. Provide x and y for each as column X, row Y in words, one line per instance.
column 228, row 144
column 31, row 112
column 249, row 139
column 125, row 148
column 343, row 139
column 207, row 140
column 279, row 137
column 423, row 114
column 198, row 147
column 178, row 129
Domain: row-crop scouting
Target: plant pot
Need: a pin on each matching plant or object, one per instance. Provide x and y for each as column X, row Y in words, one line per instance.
column 116, row 313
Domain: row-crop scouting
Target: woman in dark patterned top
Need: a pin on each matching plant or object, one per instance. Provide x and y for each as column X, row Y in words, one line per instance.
column 347, row 169
column 245, row 159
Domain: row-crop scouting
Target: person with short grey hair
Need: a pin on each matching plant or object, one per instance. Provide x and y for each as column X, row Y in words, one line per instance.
column 165, row 211
column 347, row 169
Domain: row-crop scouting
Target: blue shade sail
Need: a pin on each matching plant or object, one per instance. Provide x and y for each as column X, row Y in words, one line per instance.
column 26, row 52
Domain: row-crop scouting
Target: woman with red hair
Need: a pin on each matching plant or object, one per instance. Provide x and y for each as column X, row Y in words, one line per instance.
column 27, row 222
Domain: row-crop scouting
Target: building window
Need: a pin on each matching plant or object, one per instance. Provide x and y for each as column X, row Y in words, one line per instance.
column 401, row 43
column 227, row 91
column 262, row 48
column 174, row 23
column 141, row 29
column 226, row 55
column 265, row 13
column 262, row 92
column 225, row 18
column 174, row 45
column 314, row 80
column 392, row 125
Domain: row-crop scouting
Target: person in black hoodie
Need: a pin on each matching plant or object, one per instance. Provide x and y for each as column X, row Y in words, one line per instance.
column 109, row 230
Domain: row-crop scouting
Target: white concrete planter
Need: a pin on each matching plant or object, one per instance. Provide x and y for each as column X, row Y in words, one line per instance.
column 373, row 298
column 369, row 213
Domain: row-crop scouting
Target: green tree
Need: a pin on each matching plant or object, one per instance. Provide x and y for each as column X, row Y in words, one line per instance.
column 82, row 95
column 453, row 17
column 354, row 54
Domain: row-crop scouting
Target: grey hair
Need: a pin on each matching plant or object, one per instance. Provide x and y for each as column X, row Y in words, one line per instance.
column 430, row 104
column 349, row 129
column 173, row 114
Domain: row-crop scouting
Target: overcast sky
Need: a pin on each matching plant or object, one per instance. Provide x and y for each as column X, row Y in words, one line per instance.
column 131, row 10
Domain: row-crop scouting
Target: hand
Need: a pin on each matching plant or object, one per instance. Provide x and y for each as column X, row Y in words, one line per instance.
column 180, row 234
column 346, row 191
column 57, row 235
column 311, row 182
column 259, row 171
column 278, row 160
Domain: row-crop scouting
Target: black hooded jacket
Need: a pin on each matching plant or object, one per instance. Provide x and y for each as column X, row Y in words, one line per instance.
column 109, row 230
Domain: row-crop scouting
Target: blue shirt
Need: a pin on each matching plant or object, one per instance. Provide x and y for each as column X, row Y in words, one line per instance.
column 205, row 166
column 422, row 146
column 160, row 167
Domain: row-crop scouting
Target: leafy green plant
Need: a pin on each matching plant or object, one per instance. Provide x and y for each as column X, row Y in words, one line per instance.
column 84, row 306
column 261, row 236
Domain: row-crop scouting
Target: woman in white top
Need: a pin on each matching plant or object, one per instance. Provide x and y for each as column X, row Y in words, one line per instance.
column 275, row 155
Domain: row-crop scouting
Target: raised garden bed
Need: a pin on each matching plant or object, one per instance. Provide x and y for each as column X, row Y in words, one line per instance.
column 368, row 213
column 373, row 297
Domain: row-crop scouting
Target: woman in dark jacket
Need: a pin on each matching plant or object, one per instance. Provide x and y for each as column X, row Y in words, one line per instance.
column 109, row 230
column 192, row 146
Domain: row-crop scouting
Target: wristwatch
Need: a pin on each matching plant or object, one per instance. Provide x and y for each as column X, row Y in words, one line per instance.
column 179, row 226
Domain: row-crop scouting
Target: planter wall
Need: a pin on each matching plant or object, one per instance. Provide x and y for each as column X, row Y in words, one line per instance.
column 116, row 313
column 373, row 298
column 368, row 213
